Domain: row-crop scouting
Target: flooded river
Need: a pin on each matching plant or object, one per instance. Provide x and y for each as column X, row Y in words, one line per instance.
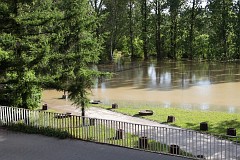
column 192, row 85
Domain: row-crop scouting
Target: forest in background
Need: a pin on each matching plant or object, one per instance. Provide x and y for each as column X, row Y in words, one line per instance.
column 174, row 29
column 53, row 43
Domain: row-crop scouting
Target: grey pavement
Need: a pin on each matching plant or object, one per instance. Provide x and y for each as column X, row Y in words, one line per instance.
column 20, row 146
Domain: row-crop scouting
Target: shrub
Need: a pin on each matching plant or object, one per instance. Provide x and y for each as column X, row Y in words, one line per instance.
column 47, row 131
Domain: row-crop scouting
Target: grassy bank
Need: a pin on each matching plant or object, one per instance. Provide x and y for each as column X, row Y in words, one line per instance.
column 218, row 122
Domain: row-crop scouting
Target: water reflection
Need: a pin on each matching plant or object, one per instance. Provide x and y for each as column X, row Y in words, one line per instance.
column 187, row 84
column 231, row 109
column 171, row 75
column 167, row 105
column 204, row 82
column 204, row 106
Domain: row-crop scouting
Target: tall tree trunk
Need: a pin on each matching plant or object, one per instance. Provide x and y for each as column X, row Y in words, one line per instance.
column 131, row 29
column 224, row 29
column 191, row 32
column 237, row 31
column 144, row 29
column 174, row 9
column 113, row 28
column 174, row 36
column 158, row 30
column 83, row 112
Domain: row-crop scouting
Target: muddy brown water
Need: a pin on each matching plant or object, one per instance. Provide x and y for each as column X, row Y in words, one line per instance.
column 189, row 85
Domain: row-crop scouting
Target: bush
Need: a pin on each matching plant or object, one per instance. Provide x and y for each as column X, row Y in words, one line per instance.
column 47, row 131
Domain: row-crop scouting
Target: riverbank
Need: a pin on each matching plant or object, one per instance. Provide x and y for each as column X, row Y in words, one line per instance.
column 196, row 143
column 218, row 122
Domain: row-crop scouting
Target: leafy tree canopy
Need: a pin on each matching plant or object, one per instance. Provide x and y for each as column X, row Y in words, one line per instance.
column 46, row 44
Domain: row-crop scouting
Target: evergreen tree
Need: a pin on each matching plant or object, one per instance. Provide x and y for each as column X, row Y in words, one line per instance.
column 25, row 47
column 77, row 47
column 47, row 44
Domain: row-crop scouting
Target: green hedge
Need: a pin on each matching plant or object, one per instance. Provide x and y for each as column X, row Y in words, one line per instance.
column 47, row 131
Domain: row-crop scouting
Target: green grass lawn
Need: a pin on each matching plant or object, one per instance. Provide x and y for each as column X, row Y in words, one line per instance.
column 218, row 122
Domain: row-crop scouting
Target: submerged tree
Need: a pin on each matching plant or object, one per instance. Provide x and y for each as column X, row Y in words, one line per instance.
column 174, row 7
column 192, row 28
column 158, row 28
column 220, row 14
column 236, row 30
column 144, row 14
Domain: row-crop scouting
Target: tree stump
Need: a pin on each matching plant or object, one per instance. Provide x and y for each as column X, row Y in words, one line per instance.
column 231, row 132
column 119, row 134
column 174, row 149
column 44, row 106
column 203, row 126
column 170, row 119
column 143, row 142
column 114, row 106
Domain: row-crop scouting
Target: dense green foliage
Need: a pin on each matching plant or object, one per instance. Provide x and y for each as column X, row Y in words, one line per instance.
column 175, row 29
column 25, row 46
column 54, row 44
column 46, row 44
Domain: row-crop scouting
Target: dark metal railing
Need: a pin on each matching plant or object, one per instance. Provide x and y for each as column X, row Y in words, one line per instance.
column 167, row 140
